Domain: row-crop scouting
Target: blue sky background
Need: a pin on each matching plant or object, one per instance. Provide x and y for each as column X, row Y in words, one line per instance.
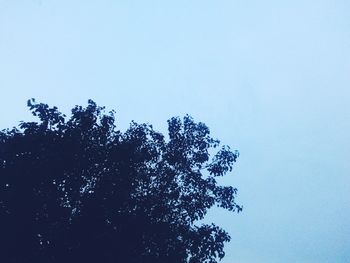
column 270, row 78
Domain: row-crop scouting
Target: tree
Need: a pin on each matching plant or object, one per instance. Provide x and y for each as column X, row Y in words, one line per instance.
column 78, row 190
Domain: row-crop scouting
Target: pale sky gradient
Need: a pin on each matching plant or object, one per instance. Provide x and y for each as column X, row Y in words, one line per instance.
column 270, row 78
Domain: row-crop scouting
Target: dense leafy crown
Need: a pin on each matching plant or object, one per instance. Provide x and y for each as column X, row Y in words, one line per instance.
column 79, row 190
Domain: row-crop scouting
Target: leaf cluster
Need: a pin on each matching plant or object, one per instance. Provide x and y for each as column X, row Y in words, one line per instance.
column 79, row 190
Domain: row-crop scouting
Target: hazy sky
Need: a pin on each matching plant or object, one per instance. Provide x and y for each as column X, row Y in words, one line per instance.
column 270, row 78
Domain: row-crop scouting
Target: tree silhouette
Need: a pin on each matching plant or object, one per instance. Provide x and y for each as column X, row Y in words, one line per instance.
column 78, row 190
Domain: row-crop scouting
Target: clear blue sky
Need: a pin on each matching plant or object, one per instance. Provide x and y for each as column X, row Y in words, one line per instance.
column 270, row 78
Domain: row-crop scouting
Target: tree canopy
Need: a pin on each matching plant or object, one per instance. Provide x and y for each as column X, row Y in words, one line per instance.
column 77, row 189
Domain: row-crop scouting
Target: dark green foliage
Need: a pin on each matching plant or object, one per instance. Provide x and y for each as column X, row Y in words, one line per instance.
column 79, row 190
